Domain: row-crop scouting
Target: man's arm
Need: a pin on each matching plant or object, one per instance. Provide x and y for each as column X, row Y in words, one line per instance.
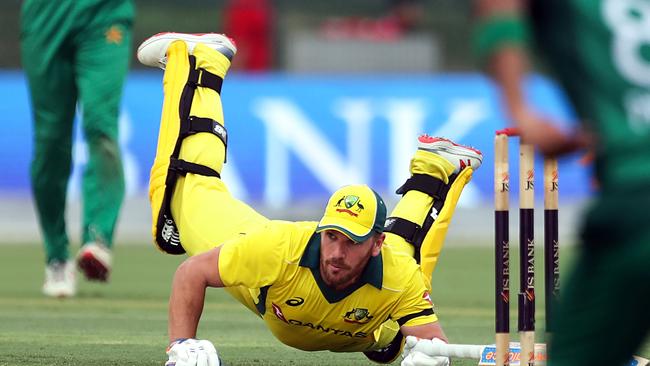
column 188, row 292
column 418, row 344
column 425, row 331
column 508, row 64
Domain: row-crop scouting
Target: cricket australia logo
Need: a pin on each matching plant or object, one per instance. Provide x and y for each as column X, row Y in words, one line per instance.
column 349, row 204
column 357, row 316
column 169, row 233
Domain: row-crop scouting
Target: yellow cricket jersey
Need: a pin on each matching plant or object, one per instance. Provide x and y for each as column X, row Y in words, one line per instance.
column 282, row 262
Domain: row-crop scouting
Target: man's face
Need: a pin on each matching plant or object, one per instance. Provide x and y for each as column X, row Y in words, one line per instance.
column 342, row 260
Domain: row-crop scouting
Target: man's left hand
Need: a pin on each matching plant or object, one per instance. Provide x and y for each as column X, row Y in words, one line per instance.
column 192, row 352
column 417, row 352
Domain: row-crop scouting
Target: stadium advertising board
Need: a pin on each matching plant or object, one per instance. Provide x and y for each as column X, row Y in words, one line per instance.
column 297, row 138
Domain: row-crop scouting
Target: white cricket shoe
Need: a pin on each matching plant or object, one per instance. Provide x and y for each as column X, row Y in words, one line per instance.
column 95, row 261
column 60, row 279
column 460, row 155
column 153, row 51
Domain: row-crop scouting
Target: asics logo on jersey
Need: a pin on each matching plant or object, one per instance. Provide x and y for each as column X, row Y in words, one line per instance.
column 295, row 301
column 350, row 202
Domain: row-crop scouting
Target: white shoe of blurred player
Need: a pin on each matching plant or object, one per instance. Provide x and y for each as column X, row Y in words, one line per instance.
column 60, row 279
column 153, row 51
column 460, row 155
column 95, row 261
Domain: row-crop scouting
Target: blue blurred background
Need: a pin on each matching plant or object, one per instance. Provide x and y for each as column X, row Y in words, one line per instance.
column 324, row 94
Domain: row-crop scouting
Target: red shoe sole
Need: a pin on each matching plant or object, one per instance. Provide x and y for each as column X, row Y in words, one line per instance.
column 93, row 269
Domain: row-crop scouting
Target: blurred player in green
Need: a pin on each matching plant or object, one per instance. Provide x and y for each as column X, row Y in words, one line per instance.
column 76, row 54
column 600, row 52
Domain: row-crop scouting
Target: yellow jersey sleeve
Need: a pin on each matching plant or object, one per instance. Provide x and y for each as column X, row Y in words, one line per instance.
column 257, row 259
column 415, row 306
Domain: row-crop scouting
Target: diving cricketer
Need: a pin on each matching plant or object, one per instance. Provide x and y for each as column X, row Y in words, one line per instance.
column 356, row 281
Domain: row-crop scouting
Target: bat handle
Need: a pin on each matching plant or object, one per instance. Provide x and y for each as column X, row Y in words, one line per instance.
column 458, row 350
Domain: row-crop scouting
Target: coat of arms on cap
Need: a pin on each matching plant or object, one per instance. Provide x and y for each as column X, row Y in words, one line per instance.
column 350, row 202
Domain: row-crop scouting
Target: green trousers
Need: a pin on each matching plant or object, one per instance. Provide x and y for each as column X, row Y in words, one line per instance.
column 76, row 53
column 603, row 314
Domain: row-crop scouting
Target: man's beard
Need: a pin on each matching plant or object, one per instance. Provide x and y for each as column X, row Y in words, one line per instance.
column 340, row 280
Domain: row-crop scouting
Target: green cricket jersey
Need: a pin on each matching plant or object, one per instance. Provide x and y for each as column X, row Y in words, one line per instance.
column 44, row 12
column 600, row 49
column 607, row 81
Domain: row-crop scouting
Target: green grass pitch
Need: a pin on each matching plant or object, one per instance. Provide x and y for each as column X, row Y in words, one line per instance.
column 125, row 322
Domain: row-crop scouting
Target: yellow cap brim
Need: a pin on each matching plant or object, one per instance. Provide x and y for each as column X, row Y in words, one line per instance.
column 351, row 229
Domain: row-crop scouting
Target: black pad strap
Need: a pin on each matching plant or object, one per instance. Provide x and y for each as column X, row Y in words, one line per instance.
column 183, row 167
column 427, row 184
column 190, row 124
column 402, row 227
column 167, row 235
column 410, row 231
column 203, row 78
column 211, row 81
column 194, row 125
column 193, row 78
